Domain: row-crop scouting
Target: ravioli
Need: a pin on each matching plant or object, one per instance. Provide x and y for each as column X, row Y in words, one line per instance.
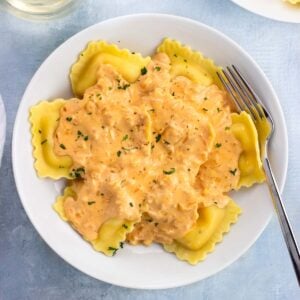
column 111, row 234
column 209, row 229
column 293, row 1
column 44, row 118
column 250, row 164
column 84, row 72
column 189, row 63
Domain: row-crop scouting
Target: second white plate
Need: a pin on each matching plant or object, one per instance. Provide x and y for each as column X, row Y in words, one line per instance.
column 272, row 9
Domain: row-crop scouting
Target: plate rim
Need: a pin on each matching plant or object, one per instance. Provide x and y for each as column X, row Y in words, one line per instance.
column 151, row 15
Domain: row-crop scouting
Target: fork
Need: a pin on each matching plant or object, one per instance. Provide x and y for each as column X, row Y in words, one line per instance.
column 247, row 100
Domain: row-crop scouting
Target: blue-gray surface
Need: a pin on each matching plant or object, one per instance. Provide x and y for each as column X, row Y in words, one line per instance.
column 29, row 269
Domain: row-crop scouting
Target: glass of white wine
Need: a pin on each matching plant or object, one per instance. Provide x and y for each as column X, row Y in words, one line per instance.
column 39, row 8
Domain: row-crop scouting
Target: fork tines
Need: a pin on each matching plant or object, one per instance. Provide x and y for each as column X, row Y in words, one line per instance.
column 241, row 93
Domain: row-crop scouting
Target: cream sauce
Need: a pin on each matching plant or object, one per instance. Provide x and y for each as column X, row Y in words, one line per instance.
column 145, row 152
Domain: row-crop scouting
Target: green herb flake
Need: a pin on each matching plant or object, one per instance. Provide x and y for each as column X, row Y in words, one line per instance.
column 205, row 98
column 157, row 68
column 40, row 131
column 43, row 142
column 77, row 173
column 173, row 94
column 131, row 204
column 121, row 244
column 157, row 138
column 86, row 138
column 91, row 202
column 113, row 249
column 119, row 153
column 227, row 128
column 125, row 226
column 144, row 71
column 62, row 146
column 166, row 142
column 218, row 109
column 233, row 171
column 171, row 171
column 125, row 137
column 124, row 87
column 175, row 55
column 69, row 119
column 218, row 145
column 204, row 109
column 156, row 224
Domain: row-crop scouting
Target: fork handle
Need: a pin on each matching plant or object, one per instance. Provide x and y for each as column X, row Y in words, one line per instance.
column 283, row 219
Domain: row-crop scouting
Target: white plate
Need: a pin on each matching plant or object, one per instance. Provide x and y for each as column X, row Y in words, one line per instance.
column 141, row 267
column 273, row 9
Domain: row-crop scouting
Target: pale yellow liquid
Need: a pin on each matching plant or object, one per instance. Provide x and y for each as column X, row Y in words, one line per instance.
column 40, row 7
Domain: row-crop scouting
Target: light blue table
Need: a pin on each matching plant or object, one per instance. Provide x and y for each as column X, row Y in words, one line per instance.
column 29, row 269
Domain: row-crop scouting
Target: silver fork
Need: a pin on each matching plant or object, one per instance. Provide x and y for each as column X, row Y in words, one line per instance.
column 246, row 99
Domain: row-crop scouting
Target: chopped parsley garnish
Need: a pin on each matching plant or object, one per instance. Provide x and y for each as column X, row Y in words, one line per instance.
column 166, row 142
column 157, row 68
column 227, row 128
column 62, row 146
column 125, row 137
column 218, row 145
column 233, row 171
column 125, row 226
column 185, row 60
column 171, row 171
column 157, row 138
column 80, row 134
column 144, row 71
column 121, row 244
column 40, row 131
column 175, row 55
column 129, row 149
column 77, row 173
column 91, row 202
column 113, row 249
column 43, row 142
column 131, row 204
column 156, row 224
column 205, row 98
column 124, row 87
column 173, row 94
column 218, row 109
column 204, row 109
column 110, row 88
column 151, row 110
column 119, row 153
column 69, row 119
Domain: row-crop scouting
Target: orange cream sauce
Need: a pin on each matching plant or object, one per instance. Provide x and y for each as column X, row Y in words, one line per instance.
column 152, row 152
